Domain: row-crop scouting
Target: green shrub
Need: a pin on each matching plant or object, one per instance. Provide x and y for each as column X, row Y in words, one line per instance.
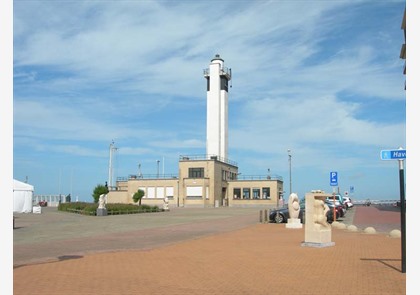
column 138, row 196
column 112, row 209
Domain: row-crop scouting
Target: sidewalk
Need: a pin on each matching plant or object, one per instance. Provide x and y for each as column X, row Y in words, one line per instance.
column 200, row 251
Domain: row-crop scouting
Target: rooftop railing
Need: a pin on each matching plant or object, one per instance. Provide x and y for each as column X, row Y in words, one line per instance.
column 148, row 176
column 223, row 72
column 207, row 157
column 259, row 177
column 174, row 176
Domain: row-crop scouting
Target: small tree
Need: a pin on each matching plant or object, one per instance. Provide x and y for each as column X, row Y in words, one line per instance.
column 138, row 196
column 99, row 190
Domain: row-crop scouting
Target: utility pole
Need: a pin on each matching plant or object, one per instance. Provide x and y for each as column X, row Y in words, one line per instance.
column 290, row 170
column 163, row 166
column 140, row 174
column 112, row 148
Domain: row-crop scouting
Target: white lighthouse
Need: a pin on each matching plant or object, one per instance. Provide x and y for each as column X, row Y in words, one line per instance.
column 218, row 78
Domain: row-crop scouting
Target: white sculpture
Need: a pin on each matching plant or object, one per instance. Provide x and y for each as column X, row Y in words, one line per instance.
column 166, row 204
column 102, row 201
column 294, row 207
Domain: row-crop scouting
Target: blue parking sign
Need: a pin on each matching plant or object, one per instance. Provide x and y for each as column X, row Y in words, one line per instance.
column 333, row 178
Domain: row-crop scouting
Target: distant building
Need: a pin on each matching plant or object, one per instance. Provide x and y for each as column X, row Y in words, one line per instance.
column 209, row 180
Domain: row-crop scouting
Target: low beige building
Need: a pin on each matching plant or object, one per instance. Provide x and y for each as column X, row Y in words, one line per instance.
column 203, row 181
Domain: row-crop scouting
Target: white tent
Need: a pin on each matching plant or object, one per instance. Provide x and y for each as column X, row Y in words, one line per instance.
column 22, row 197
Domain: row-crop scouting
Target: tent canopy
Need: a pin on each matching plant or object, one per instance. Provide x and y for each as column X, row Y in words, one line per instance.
column 22, row 186
column 22, row 196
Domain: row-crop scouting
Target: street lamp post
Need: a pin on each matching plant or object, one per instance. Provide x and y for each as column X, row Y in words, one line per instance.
column 289, row 152
column 157, row 161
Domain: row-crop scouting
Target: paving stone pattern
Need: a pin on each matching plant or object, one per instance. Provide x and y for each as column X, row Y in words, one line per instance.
column 202, row 251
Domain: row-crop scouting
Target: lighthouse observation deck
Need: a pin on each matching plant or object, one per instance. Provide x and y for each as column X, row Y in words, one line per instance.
column 224, row 71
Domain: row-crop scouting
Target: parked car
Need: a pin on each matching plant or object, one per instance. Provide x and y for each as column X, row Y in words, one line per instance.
column 339, row 204
column 330, row 216
column 339, row 209
column 348, row 202
column 337, row 197
column 280, row 215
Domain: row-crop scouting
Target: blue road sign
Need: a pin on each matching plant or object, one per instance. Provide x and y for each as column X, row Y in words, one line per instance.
column 393, row 154
column 352, row 189
column 333, row 178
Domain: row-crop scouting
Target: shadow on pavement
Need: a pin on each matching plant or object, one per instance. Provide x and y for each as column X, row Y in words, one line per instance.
column 383, row 261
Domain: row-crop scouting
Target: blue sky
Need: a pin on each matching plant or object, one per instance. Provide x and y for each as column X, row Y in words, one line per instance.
column 322, row 78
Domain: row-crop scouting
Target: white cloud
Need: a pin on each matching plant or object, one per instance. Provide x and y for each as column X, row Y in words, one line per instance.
column 54, row 122
column 305, row 75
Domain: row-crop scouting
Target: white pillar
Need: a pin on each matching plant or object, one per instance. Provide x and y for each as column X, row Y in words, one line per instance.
column 111, row 147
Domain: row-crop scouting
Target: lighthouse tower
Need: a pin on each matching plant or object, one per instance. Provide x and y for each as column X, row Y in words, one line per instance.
column 218, row 78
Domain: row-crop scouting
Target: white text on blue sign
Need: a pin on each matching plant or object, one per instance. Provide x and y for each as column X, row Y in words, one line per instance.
column 333, row 178
column 393, row 154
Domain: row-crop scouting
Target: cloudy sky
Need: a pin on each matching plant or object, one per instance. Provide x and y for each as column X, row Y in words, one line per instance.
column 321, row 78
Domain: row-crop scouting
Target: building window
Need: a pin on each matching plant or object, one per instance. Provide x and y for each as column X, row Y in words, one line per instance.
column 227, row 175
column 237, row 193
column 150, row 192
column 247, row 193
column 170, row 192
column 255, row 193
column 224, row 84
column 196, row 172
column 266, row 192
column 194, row 192
column 160, row 192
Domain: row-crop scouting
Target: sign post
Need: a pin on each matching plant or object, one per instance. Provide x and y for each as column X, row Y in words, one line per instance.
column 333, row 178
column 400, row 155
column 334, row 182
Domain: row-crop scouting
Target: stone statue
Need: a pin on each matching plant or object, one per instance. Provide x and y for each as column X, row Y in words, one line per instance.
column 317, row 229
column 294, row 207
column 320, row 211
column 166, row 204
column 102, row 201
